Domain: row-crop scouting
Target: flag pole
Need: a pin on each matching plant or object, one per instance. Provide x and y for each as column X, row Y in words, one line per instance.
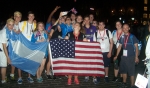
column 50, row 56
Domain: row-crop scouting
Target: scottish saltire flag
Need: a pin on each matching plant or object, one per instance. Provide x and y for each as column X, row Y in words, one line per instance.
column 26, row 55
column 76, row 58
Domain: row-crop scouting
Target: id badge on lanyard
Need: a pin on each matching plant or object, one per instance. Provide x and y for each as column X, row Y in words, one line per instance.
column 118, row 37
column 117, row 44
column 125, row 52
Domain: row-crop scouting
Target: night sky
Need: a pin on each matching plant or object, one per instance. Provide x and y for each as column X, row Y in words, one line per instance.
column 42, row 8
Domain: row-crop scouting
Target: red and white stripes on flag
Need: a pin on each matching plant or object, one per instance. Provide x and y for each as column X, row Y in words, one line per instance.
column 88, row 61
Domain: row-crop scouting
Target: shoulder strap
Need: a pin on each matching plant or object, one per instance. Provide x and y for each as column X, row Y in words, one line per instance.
column 113, row 33
column 23, row 26
column 96, row 35
column 131, row 38
column 107, row 35
column 34, row 25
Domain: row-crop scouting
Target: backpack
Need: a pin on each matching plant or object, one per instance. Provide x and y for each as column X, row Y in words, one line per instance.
column 113, row 33
column 106, row 34
column 139, row 44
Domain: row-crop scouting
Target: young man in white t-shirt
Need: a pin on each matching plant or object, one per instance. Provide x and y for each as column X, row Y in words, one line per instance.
column 4, row 58
column 27, row 28
column 106, row 44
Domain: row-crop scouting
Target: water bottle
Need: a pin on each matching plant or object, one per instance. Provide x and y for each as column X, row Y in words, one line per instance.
column 116, row 65
column 140, row 45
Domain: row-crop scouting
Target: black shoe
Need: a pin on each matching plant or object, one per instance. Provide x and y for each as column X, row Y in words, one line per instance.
column 59, row 77
column 106, row 80
column 12, row 78
column 54, row 77
column 123, row 85
column 115, row 79
column 120, row 80
column 133, row 87
column 48, row 77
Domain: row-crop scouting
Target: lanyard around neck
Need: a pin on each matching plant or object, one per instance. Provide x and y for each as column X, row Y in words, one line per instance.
column 118, row 35
column 103, row 34
column 126, row 40
column 76, row 37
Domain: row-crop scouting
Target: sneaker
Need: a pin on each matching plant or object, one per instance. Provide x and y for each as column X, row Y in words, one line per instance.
column 48, row 77
column 86, row 78
column 115, row 79
column 3, row 81
column 19, row 81
column 134, row 86
column 60, row 77
column 12, row 78
column 98, row 79
column 94, row 80
column 39, row 80
column 123, row 85
column 30, row 80
column 54, row 77
column 76, row 81
column 106, row 79
column 120, row 80
column 66, row 76
column 69, row 81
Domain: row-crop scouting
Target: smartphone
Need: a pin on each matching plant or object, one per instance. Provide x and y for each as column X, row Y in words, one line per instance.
column 64, row 13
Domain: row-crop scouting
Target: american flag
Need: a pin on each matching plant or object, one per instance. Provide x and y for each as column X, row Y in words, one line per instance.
column 76, row 58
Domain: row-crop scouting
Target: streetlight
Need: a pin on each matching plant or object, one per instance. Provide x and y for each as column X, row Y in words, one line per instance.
column 132, row 18
column 120, row 18
column 123, row 21
column 112, row 11
column 121, row 10
column 91, row 8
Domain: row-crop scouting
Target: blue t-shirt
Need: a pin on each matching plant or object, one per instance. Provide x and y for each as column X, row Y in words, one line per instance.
column 48, row 27
column 89, row 32
column 130, row 44
column 65, row 29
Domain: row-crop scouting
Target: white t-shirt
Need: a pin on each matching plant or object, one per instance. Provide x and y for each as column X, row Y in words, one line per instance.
column 16, row 27
column 115, row 40
column 28, row 29
column 3, row 39
column 103, row 39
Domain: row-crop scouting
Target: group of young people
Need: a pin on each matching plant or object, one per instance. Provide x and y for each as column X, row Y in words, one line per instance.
column 74, row 27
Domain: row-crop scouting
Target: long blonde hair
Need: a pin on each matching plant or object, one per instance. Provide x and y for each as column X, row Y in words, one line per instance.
column 36, row 29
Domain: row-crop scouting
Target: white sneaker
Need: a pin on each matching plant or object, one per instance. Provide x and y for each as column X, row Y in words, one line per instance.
column 94, row 80
column 86, row 78
column 3, row 81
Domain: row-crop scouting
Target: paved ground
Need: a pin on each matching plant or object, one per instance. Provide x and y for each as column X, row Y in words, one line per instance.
column 61, row 83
